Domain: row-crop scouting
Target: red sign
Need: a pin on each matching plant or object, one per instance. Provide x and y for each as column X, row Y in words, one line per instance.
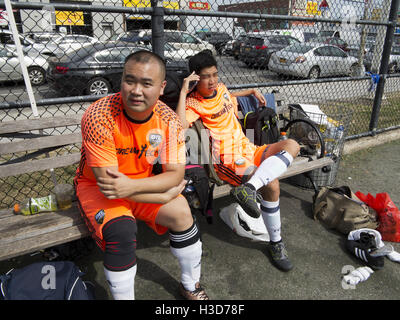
column 196, row 5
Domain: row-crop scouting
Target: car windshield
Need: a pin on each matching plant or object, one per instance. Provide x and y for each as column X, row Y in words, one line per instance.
column 81, row 52
column 298, row 48
column 396, row 50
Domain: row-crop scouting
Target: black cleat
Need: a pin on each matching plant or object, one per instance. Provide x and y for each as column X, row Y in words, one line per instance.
column 246, row 196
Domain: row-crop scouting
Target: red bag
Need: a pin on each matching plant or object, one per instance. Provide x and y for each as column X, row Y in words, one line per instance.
column 388, row 214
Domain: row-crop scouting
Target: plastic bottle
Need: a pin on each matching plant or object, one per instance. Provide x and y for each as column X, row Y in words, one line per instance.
column 35, row 205
column 282, row 136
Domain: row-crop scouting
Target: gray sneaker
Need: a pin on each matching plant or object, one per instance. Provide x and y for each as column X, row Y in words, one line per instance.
column 279, row 256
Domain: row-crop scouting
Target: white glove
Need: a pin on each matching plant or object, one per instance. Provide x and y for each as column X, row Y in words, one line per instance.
column 358, row 275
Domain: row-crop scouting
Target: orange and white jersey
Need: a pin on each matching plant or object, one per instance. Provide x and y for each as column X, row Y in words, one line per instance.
column 111, row 138
column 219, row 114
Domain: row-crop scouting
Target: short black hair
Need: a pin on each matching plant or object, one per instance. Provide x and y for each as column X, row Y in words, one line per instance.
column 203, row 59
column 145, row 56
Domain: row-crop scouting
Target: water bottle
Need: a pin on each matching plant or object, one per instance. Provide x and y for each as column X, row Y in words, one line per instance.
column 32, row 206
column 282, row 136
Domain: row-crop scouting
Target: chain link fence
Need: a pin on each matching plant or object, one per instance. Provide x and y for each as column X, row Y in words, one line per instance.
column 342, row 55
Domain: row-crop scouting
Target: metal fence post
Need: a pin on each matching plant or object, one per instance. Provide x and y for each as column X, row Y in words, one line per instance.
column 157, row 28
column 384, row 65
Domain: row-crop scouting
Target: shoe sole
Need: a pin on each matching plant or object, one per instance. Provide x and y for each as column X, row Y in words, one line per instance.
column 246, row 209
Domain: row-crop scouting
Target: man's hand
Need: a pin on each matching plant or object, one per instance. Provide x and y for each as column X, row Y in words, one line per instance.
column 189, row 83
column 116, row 186
column 175, row 191
column 260, row 97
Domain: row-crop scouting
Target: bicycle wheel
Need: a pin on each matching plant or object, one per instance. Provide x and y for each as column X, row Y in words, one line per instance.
column 308, row 136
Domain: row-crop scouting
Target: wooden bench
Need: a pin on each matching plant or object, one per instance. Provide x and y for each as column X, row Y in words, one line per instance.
column 25, row 234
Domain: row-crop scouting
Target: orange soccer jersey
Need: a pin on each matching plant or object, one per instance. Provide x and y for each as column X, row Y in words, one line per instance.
column 111, row 138
column 233, row 152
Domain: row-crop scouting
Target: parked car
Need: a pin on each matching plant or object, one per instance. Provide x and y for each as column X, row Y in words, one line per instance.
column 232, row 46
column 312, row 61
column 43, row 37
column 95, row 69
column 10, row 67
column 394, row 59
column 335, row 41
column 170, row 52
column 217, row 39
column 256, row 51
column 178, row 39
column 60, row 44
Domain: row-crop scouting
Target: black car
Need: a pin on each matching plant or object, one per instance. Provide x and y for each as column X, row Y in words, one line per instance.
column 257, row 50
column 95, row 69
column 217, row 39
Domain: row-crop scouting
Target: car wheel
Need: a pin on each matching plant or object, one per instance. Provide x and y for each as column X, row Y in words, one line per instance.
column 392, row 67
column 98, row 86
column 37, row 75
column 314, row 73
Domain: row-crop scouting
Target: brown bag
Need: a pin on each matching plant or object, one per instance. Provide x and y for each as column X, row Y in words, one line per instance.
column 340, row 209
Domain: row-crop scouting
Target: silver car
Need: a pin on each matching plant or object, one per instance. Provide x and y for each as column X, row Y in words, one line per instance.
column 10, row 68
column 308, row 60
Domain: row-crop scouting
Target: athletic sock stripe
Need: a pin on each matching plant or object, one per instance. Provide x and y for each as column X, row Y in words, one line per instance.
column 185, row 238
column 283, row 158
column 269, row 210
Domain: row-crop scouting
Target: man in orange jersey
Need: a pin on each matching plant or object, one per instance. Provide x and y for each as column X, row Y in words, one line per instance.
column 123, row 135
column 238, row 161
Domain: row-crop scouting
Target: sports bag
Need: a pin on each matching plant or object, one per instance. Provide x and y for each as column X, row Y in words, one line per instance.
column 198, row 191
column 60, row 280
column 264, row 121
column 340, row 209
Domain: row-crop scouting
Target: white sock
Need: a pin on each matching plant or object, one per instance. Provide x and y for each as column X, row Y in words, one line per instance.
column 189, row 259
column 272, row 218
column 270, row 169
column 121, row 283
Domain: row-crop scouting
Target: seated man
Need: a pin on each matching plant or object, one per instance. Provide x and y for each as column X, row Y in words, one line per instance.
column 235, row 157
column 122, row 136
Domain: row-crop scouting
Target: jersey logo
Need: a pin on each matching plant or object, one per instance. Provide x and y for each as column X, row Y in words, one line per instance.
column 155, row 139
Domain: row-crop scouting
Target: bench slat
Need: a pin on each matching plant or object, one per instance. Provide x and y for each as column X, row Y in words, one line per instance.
column 39, row 165
column 19, row 227
column 40, row 143
column 42, row 123
column 43, row 241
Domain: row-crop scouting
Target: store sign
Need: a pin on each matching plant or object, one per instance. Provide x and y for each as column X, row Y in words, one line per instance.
column 312, row 8
column 147, row 4
column 69, row 18
column 196, row 5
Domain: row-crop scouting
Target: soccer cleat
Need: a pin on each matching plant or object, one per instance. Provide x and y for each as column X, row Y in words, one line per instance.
column 365, row 249
column 247, row 198
column 279, row 256
column 198, row 294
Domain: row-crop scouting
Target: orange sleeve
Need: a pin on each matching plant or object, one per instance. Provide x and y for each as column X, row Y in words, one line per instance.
column 191, row 108
column 98, row 140
column 174, row 151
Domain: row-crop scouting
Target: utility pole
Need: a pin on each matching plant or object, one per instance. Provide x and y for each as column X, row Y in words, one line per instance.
column 157, row 27
column 364, row 32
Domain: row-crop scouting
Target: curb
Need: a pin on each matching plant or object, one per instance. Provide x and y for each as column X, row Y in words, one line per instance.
column 367, row 142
